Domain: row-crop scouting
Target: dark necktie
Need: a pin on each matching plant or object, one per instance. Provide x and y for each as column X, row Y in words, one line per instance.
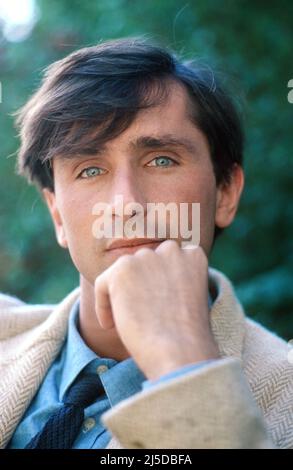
column 64, row 424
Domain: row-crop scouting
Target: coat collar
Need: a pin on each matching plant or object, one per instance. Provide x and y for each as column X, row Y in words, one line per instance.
column 39, row 333
column 227, row 316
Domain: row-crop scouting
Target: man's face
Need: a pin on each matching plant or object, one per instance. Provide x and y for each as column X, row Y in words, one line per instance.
column 131, row 166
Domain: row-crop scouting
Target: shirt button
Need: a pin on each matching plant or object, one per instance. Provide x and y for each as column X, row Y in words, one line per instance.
column 101, row 369
column 88, row 424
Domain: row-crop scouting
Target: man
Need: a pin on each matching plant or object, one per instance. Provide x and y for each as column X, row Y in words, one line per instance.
column 153, row 350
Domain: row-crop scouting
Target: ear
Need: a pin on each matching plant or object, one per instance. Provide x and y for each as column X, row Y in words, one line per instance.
column 50, row 200
column 228, row 197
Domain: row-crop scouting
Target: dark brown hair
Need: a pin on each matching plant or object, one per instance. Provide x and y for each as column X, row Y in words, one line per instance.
column 93, row 94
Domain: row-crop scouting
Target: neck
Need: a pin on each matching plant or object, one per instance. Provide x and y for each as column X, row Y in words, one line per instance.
column 105, row 343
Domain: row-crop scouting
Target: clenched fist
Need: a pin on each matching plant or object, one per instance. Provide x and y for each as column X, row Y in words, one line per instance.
column 158, row 302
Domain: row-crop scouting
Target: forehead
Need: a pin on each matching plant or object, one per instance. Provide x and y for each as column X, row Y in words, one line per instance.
column 175, row 108
column 169, row 122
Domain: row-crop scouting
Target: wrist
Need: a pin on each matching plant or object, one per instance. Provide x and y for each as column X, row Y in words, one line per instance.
column 173, row 363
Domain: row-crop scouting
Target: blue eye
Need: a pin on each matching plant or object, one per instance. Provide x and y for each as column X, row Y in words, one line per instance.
column 163, row 161
column 90, row 172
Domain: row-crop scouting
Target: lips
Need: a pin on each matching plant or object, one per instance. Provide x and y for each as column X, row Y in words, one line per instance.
column 132, row 242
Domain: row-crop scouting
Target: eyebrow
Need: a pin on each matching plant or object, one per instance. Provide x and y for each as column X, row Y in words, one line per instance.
column 141, row 143
column 148, row 142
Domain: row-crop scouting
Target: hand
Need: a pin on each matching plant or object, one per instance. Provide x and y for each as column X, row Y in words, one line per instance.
column 158, row 302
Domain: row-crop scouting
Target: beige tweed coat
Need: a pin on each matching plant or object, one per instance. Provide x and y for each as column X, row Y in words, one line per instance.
column 242, row 400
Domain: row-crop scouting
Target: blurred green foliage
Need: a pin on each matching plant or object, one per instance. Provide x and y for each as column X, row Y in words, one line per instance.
column 250, row 41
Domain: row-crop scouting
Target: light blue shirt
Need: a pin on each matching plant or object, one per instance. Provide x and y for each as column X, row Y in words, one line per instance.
column 120, row 380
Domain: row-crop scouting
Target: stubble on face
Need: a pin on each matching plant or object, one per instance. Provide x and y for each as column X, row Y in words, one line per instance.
column 191, row 180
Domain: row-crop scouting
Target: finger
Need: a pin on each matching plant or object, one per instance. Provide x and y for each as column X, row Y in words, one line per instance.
column 166, row 246
column 198, row 255
column 188, row 245
column 103, row 303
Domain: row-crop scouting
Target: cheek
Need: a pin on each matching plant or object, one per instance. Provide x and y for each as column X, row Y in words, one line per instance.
column 203, row 190
column 84, row 249
column 197, row 187
column 77, row 220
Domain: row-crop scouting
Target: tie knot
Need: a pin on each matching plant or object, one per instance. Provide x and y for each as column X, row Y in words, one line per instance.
column 85, row 391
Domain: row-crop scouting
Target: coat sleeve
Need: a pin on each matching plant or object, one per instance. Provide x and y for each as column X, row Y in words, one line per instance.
column 209, row 407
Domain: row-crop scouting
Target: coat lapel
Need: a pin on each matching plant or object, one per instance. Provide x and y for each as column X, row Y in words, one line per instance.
column 27, row 355
column 227, row 317
column 26, row 358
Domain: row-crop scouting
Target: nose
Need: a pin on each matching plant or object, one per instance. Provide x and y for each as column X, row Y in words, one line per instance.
column 127, row 191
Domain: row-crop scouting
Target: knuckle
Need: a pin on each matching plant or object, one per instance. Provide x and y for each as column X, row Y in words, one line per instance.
column 168, row 245
column 121, row 271
column 144, row 252
column 124, row 262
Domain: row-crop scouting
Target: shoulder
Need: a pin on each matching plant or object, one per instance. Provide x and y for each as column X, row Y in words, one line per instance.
column 7, row 301
column 17, row 316
column 270, row 375
column 264, row 348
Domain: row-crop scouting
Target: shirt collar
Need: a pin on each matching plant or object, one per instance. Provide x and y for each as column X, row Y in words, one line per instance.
column 120, row 380
column 77, row 355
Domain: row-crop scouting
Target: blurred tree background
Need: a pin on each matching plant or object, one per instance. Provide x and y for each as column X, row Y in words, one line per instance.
column 250, row 41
